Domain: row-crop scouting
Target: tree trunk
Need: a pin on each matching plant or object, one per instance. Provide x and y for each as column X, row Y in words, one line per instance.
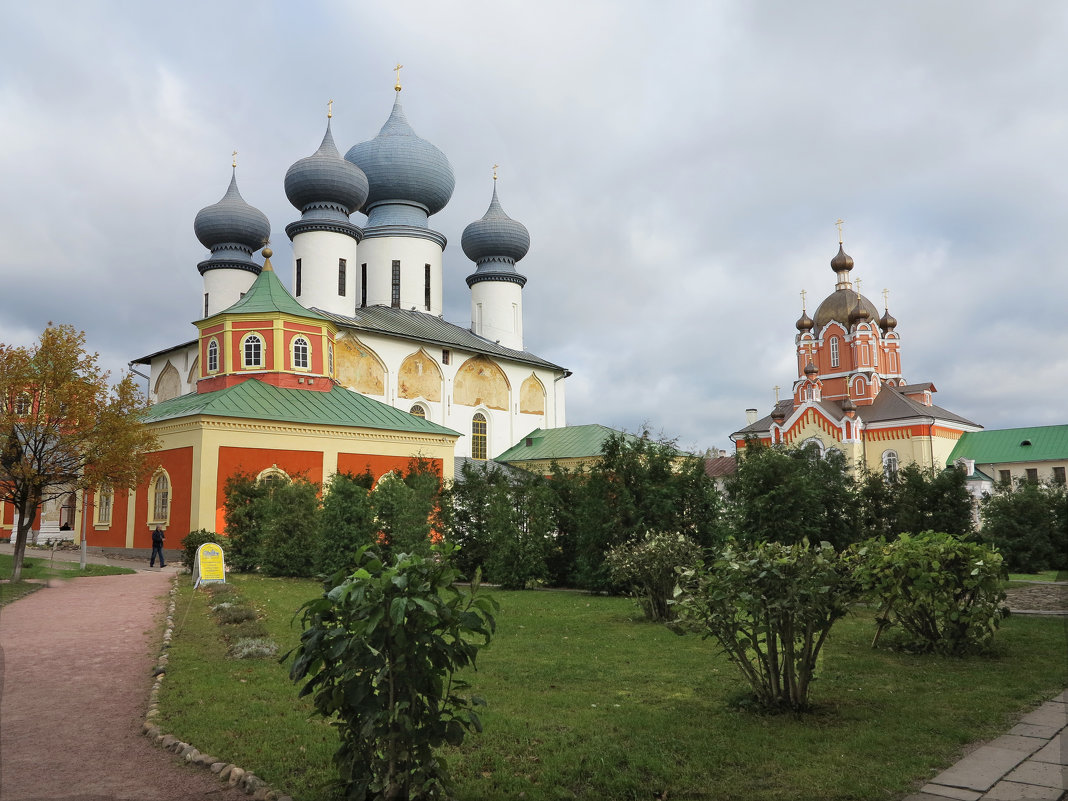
column 27, row 513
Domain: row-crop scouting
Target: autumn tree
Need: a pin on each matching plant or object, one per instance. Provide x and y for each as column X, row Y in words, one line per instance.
column 64, row 427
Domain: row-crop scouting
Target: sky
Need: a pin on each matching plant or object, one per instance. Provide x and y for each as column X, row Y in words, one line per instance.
column 680, row 167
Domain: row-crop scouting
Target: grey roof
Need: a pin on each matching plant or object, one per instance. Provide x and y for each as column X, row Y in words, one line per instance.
column 400, row 166
column 148, row 359
column 430, row 329
column 488, row 465
column 839, row 304
column 495, row 236
column 232, row 221
column 326, row 178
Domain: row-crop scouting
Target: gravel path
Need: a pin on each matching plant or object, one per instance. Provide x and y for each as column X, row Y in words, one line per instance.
column 76, row 661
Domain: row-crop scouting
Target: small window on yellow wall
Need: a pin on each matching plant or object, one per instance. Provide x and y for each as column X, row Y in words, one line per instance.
column 890, row 465
column 301, row 351
column 252, row 351
column 105, row 498
column 160, row 497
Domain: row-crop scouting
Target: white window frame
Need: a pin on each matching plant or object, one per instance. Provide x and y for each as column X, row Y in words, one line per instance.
column 296, row 343
column 835, row 358
column 160, row 500
column 245, row 342
column 213, row 356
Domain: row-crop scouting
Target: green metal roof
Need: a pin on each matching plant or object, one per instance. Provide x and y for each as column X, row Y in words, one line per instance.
column 1006, row 445
column 267, row 295
column 255, row 400
column 570, row 442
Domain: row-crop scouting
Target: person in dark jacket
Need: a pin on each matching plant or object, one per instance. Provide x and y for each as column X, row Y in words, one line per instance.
column 157, row 548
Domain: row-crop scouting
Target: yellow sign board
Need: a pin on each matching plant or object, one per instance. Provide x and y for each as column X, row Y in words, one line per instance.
column 208, row 567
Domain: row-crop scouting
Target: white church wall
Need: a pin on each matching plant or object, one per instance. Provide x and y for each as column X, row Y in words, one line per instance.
column 319, row 253
column 224, row 288
column 413, row 253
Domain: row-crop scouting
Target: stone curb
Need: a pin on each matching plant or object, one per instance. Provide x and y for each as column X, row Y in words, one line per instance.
column 228, row 773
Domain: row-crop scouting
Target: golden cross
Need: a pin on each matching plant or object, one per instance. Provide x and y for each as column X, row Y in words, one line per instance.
column 397, row 70
column 858, row 286
column 803, row 293
column 776, row 388
column 886, row 296
column 839, row 222
column 234, row 165
column 329, row 109
column 495, row 166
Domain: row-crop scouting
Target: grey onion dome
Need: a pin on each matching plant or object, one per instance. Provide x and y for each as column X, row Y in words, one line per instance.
column 848, row 405
column 232, row 221
column 401, row 166
column 496, row 236
column 325, row 177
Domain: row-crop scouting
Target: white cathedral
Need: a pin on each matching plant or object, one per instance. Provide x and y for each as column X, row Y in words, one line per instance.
column 380, row 282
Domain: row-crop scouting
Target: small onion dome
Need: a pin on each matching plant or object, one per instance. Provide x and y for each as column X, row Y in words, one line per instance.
column 842, row 261
column 849, row 407
column 811, row 369
column 496, row 236
column 777, row 414
column 400, row 166
column 859, row 314
column 887, row 321
column 325, row 177
column 232, row 221
column 804, row 322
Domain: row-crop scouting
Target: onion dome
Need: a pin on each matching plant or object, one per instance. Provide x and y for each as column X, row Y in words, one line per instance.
column 495, row 243
column 811, row 369
column 232, row 230
column 842, row 261
column 848, row 406
column 804, row 322
column 839, row 305
column 778, row 414
column 402, row 169
column 860, row 314
column 325, row 182
column 887, row 322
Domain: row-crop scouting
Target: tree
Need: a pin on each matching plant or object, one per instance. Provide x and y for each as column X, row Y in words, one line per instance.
column 1028, row 524
column 347, row 521
column 64, row 427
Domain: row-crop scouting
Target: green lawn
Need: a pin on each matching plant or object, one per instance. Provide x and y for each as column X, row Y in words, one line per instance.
column 1044, row 575
column 39, row 568
column 585, row 701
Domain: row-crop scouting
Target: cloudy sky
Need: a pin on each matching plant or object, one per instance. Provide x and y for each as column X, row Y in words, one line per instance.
column 680, row 167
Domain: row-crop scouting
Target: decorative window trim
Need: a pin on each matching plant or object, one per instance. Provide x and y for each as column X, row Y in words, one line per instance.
column 418, row 410
column 330, row 359
column 213, row 356
column 160, row 499
column 479, row 436
column 835, row 356
column 273, row 473
column 105, row 504
column 891, row 464
column 295, row 354
column 245, row 365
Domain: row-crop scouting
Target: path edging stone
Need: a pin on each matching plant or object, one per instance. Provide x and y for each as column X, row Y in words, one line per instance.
column 227, row 773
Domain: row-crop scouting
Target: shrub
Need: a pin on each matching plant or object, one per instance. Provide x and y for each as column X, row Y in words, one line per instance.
column 193, row 540
column 379, row 654
column 289, row 529
column 1028, row 524
column 649, row 569
column 943, row 592
column 346, row 523
column 244, row 524
column 770, row 606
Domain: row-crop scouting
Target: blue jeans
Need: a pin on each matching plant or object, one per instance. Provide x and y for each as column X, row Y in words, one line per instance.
column 156, row 549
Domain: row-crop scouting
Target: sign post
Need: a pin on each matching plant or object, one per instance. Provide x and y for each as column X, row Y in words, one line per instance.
column 208, row 566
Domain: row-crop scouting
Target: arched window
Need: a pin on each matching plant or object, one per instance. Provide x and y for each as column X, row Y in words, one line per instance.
column 301, row 348
column 253, row 351
column 105, row 498
column 272, row 475
column 890, row 465
column 330, row 359
column 417, row 411
column 478, row 436
column 834, row 351
column 813, row 443
column 213, row 356
column 161, row 497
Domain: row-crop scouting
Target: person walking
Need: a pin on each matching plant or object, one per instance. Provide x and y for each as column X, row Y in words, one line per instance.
column 157, row 548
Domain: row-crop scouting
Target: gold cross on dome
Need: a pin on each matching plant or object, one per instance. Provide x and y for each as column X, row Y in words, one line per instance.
column 329, row 109
column 495, row 166
column 858, row 286
column 776, row 388
column 803, row 294
column 886, row 298
column 397, row 70
column 839, row 223
column 234, row 165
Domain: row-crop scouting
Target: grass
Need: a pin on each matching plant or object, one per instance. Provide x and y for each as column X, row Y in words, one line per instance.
column 1042, row 575
column 585, row 701
column 36, row 569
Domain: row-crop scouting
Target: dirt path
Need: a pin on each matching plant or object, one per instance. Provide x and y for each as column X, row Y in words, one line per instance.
column 75, row 663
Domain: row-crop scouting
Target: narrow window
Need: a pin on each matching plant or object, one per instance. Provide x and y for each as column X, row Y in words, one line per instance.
column 875, row 354
column 298, row 278
column 1005, row 476
column 1032, row 474
column 330, row 359
column 300, row 353
column 363, row 285
column 478, row 436
column 23, row 405
column 161, row 497
column 477, row 322
column 394, row 300
column 418, row 411
column 341, row 277
column 834, row 351
column 1058, row 475
column 103, row 505
column 205, row 304
column 890, row 465
column 445, row 356
column 253, row 351
column 426, row 287
column 213, row 356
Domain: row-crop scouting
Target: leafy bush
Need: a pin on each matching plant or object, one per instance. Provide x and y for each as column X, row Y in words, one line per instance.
column 1028, row 524
column 403, row 507
column 193, row 540
column 649, row 568
column 289, row 538
column 770, row 606
column 346, row 523
column 944, row 593
column 379, row 654
column 244, row 525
